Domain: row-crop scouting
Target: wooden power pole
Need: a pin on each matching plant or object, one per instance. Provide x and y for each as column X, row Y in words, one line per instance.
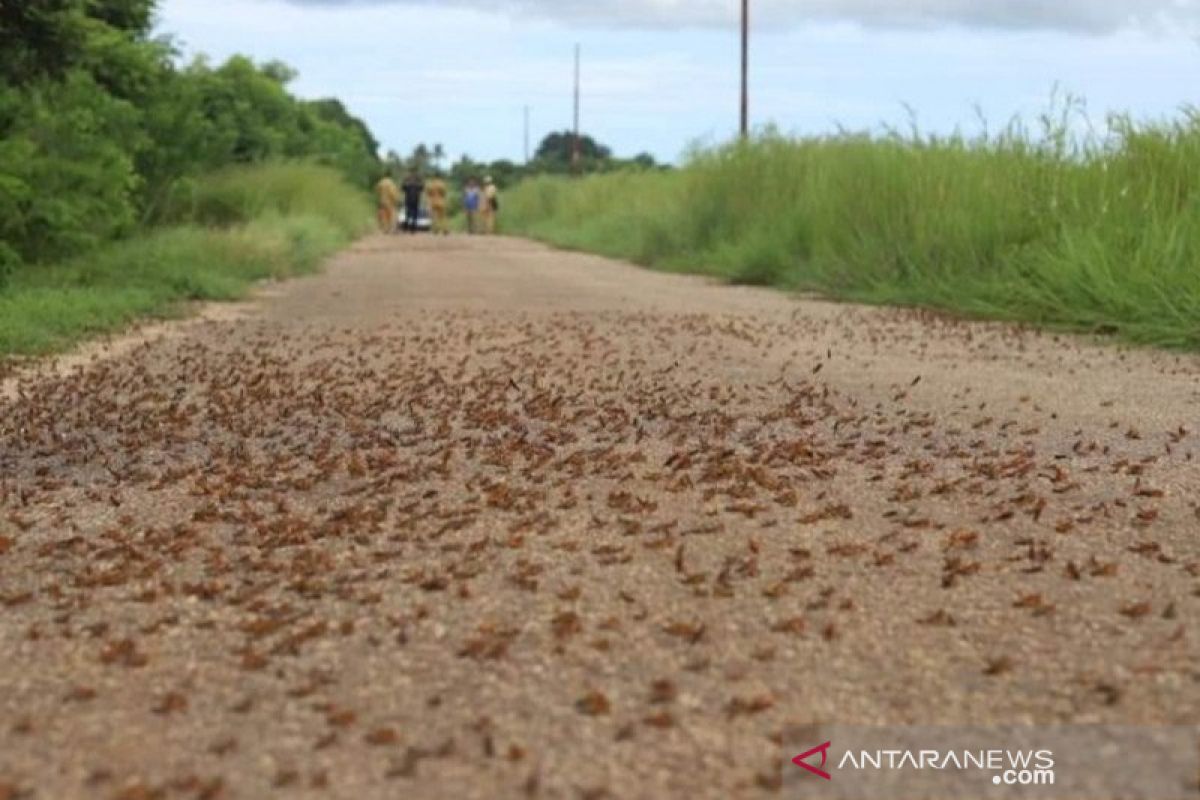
column 745, row 128
column 526, row 135
column 576, row 151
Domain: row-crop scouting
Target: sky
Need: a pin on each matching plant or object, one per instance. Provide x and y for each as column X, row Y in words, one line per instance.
column 661, row 76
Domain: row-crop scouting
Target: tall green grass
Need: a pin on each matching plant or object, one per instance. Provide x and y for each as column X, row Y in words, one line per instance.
column 1100, row 233
column 232, row 229
column 239, row 195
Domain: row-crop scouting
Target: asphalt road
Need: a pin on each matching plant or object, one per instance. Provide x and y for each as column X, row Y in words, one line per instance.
column 472, row 518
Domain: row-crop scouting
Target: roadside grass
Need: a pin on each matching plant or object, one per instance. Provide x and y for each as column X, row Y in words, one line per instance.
column 242, row 194
column 1100, row 234
column 270, row 223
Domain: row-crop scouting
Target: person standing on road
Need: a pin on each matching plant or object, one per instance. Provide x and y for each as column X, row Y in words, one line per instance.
column 389, row 198
column 414, row 190
column 472, row 200
column 438, row 194
column 491, row 205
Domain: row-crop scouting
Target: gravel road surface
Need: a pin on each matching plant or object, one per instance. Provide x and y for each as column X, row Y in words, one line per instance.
column 472, row 518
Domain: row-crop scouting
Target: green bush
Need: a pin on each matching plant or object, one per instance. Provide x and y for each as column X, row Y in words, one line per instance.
column 290, row 217
column 67, row 182
column 1096, row 235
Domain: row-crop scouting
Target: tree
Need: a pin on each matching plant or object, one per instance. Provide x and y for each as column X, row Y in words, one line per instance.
column 334, row 111
column 557, row 150
column 504, row 172
column 344, row 141
column 47, row 37
column 131, row 16
column 73, row 77
column 466, row 168
column 419, row 161
column 393, row 164
column 281, row 73
column 644, row 161
column 100, row 127
column 40, row 39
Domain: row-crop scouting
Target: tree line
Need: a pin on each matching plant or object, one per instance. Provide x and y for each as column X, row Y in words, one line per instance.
column 102, row 129
column 554, row 156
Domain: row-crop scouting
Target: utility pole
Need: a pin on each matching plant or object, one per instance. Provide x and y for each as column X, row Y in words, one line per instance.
column 526, row 135
column 576, row 152
column 745, row 129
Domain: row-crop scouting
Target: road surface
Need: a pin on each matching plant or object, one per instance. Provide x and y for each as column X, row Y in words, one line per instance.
column 472, row 518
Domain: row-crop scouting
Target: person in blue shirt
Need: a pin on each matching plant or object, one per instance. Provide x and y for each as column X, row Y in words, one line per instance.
column 472, row 201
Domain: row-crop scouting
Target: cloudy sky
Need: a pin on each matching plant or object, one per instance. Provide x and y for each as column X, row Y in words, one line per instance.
column 662, row 74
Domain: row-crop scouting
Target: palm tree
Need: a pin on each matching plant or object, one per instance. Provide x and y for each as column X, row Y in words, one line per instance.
column 420, row 158
column 393, row 163
column 439, row 154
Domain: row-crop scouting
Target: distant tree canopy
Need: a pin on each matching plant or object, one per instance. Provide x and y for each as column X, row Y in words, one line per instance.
column 553, row 156
column 559, row 148
column 99, row 124
column 556, row 154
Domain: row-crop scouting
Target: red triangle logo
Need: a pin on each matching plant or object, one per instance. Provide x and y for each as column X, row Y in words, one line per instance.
column 802, row 761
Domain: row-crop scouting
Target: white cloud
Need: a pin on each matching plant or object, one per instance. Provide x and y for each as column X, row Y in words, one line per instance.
column 454, row 72
column 1083, row 16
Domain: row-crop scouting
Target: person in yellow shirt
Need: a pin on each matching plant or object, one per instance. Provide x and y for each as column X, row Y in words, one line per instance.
column 438, row 194
column 389, row 200
column 491, row 206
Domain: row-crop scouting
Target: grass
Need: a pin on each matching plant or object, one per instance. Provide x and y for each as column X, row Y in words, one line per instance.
column 235, row 228
column 239, row 195
column 1098, row 234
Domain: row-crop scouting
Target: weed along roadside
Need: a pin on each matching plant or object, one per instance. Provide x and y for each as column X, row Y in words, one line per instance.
column 230, row 230
column 1100, row 235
